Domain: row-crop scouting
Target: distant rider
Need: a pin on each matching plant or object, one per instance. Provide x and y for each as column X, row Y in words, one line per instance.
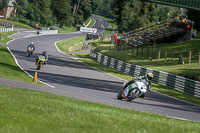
column 46, row 56
column 43, row 56
column 31, row 46
column 147, row 79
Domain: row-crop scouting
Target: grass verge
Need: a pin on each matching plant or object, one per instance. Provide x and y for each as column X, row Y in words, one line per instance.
column 192, row 71
column 18, row 25
column 31, row 111
column 9, row 69
column 65, row 29
column 92, row 22
column 84, row 58
column 72, row 44
column 4, row 36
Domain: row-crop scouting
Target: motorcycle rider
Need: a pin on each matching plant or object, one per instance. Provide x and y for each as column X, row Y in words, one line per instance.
column 31, row 46
column 147, row 79
column 45, row 55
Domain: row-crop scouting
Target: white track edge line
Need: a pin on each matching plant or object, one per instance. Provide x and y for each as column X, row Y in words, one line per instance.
column 127, row 80
column 22, row 68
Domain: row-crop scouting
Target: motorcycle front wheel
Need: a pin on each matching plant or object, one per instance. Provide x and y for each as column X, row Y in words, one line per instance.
column 119, row 96
column 28, row 54
column 38, row 66
column 133, row 95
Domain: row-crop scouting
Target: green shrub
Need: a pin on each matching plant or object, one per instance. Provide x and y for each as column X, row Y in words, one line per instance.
column 24, row 21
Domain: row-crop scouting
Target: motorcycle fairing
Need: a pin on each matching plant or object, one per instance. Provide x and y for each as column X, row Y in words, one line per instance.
column 141, row 86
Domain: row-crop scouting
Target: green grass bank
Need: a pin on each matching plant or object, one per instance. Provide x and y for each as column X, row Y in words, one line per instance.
column 104, row 46
column 5, row 36
column 9, row 69
column 31, row 111
column 166, row 63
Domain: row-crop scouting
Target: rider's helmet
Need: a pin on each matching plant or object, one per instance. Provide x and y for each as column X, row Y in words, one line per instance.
column 149, row 76
column 44, row 53
column 32, row 43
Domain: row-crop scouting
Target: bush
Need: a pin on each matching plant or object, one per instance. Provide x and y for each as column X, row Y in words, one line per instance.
column 15, row 19
column 24, row 21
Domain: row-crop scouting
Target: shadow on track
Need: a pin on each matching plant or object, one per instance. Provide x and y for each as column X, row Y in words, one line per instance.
column 53, row 60
column 82, row 82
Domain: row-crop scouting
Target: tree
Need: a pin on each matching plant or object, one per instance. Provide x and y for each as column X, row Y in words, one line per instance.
column 194, row 16
column 3, row 4
column 132, row 14
column 62, row 11
column 82, row 10
column 21, row 6
column 46, row 16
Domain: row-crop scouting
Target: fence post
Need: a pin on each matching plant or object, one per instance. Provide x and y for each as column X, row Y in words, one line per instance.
column 199, row 59
column 181, row 61
column 159, row 54
column 165, row 56
column 132, row 50
column 172, row 56
column 190, row 54
column 147, row 51
column 152, row 55
column 142, row 51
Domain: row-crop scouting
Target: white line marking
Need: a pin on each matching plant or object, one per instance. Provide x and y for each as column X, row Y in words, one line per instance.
column 126, row 81
column 179, row 118
column 25, row 70
column 176, row 98
column 21, row 67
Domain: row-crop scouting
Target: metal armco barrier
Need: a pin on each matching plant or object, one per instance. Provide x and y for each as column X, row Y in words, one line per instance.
column 162, row 78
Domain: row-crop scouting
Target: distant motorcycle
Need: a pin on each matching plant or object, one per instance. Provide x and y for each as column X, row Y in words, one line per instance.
column 40, row 62
column 29, row 51
column 134, row 90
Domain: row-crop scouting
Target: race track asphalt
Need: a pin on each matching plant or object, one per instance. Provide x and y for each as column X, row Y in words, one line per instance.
column 73, row 79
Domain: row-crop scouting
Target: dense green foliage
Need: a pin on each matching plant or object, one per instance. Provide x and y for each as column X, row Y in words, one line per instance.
column 50, row 12
column 132, row 14
column 103, row 7
column 3, row 3
column 194, row 16
column 129, row 14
